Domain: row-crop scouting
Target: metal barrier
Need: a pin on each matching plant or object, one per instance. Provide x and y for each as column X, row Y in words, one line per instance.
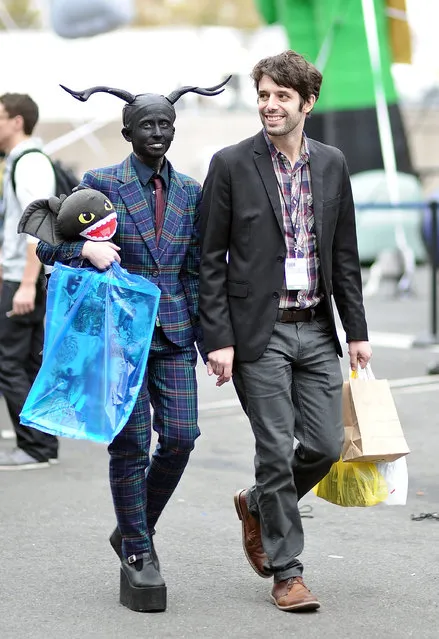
column 432, row 337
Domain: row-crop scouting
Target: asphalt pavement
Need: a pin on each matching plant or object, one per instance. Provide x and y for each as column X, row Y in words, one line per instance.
column 373, row 569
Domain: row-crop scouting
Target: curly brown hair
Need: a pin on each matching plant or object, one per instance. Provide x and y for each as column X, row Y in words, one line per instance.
column 292, row 70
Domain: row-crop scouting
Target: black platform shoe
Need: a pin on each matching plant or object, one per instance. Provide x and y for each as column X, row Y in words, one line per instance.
column 115, row 540
column 142, row 587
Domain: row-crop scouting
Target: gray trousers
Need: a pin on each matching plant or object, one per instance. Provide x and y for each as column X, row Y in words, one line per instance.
column 292, row 391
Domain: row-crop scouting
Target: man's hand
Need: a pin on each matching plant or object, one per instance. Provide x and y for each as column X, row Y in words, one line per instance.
column 359, row 353
column 101, row 254
column 24, row 299
column 221, row 363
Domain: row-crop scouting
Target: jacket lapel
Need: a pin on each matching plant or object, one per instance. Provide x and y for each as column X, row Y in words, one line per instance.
column 316, row 168
column 264, row 165
column 176, row 202
column 131, row 192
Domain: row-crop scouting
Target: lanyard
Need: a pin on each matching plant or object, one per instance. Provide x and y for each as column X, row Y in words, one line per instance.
column 289, row 208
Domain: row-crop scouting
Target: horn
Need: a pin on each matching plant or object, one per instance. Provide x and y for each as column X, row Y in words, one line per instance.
column 176, row 95
column 83, row 96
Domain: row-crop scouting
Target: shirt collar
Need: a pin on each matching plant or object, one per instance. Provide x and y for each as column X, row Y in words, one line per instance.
column 145, row 172
column 304, row 149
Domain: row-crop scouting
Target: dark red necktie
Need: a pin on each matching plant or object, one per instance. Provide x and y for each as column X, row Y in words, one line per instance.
column 159, row 206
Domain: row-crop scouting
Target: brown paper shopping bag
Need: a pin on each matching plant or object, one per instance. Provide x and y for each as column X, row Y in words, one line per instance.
column 373, row 431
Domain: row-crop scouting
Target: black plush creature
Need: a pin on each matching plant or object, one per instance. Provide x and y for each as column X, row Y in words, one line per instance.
column 85, row 213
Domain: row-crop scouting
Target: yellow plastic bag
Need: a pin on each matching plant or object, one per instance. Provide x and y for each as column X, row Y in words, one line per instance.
column 353, row 484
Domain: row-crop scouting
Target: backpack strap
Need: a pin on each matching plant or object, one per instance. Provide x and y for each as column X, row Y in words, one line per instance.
column 14, row 163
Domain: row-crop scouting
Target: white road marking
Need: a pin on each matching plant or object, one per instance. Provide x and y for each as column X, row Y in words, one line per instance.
column 406, row 385
column 412, row 390
column 219, row 405
column 391, row 340
column 7, row 434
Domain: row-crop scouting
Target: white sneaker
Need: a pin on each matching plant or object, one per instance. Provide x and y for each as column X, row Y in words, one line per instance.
column 7, row 434
column 18, row 459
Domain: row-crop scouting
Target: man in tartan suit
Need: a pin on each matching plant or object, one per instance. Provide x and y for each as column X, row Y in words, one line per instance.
column 166, row 251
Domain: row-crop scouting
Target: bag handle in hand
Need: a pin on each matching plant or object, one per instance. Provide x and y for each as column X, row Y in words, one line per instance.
column 364, row 374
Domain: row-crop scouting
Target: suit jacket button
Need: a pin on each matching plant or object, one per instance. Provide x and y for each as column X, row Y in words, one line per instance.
column 276, row 296
column 280, row 258
column 155, row 273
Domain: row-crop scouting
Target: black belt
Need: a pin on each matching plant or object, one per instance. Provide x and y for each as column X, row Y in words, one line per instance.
column 299, row 314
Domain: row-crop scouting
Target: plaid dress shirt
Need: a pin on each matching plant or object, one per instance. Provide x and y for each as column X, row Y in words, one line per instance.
column 294, row 184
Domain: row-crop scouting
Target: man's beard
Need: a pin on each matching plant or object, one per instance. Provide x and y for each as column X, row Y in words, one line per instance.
column 287, row 127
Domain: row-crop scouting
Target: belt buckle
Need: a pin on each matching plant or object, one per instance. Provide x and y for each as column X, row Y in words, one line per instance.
column 289, row 315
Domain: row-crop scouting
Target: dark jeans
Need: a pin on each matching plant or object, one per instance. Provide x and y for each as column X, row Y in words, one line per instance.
column 292, row 391
column 21, row 343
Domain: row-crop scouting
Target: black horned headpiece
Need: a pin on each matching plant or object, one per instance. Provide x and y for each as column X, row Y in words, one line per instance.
column 137, row 102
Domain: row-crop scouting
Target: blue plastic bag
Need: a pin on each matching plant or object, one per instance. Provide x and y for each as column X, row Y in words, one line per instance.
column 99, row 326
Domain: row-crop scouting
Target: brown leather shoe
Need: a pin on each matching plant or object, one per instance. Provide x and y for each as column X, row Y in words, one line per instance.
column 292, row 594
column 251, row 536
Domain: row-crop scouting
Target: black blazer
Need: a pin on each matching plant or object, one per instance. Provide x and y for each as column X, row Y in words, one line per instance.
column 243, row 246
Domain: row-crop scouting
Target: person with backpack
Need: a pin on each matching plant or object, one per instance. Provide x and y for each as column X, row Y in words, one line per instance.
column 27, row 176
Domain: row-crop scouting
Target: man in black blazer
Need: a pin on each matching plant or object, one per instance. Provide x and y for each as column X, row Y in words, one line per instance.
column 278, row 246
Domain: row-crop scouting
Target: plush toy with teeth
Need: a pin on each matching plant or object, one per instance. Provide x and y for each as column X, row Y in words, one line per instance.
column 86, row 213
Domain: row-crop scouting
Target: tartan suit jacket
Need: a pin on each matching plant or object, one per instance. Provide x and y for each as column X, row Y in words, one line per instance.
column 173, row 265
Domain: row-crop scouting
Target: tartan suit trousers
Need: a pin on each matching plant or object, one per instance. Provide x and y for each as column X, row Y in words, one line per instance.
column 142, row 485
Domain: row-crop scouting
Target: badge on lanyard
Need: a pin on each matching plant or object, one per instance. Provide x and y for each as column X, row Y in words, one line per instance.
column 296, row 273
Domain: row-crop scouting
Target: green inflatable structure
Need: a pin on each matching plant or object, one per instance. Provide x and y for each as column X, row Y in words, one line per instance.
column 332, row 35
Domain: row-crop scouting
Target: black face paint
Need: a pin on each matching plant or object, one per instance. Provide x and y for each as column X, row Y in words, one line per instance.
column 150, row 130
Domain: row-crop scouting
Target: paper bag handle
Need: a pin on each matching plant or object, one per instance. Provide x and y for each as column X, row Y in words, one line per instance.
column 364, row 374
